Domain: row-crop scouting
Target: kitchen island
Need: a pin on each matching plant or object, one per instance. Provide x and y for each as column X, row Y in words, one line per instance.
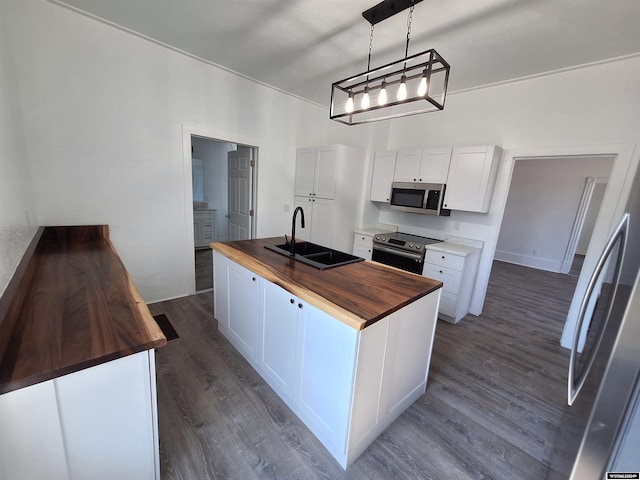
column 347, row 348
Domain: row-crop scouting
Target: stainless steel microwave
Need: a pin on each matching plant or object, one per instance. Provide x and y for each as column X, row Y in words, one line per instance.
column 425, row 198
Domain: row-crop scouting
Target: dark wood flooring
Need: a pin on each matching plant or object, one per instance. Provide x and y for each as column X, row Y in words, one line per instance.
column 204, row 269
column 495, row 394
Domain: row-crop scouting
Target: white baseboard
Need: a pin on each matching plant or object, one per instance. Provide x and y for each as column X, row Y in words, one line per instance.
column 529, row 261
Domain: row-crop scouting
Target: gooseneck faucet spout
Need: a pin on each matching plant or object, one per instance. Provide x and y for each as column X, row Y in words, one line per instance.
column 293, row 228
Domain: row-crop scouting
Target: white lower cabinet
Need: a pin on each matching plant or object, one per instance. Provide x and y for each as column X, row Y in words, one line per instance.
column 363, row 245
column 242, row 324
column 346, row 385
column 98, row 423
column 279, row 320
column 456, row 267
column 326, row 357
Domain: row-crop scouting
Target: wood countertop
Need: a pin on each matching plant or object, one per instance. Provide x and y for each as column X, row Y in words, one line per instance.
column 358, row 294
column 73, row 306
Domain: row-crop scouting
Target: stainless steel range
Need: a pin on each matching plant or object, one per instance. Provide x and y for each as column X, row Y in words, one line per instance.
column 401, row 250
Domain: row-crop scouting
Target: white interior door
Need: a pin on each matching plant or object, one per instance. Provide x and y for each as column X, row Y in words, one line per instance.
column 240, row 209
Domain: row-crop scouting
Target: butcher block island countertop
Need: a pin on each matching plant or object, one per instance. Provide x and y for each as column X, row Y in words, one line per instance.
column 74, row 307
column 358, row 294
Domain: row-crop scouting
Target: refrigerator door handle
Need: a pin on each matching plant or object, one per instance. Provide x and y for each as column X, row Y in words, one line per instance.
column 575, row 384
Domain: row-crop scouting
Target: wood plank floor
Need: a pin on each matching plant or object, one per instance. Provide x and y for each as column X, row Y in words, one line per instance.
column 493, row 401
column 204, row 268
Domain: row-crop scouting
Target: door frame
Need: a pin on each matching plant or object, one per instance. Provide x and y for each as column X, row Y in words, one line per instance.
column 189, row 130
column 581, row 214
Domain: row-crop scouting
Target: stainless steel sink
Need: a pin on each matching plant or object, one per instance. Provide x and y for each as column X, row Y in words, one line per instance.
column 315, row 255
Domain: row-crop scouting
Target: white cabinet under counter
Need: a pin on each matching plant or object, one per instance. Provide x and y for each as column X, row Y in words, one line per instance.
column 363, row 241
column 456, row 267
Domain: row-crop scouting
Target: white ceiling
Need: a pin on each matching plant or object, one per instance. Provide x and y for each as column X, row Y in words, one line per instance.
column 302, row 46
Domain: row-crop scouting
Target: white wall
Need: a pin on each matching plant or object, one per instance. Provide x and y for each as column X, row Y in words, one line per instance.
column 17, row 208
column 541, row 209
column 104, row 112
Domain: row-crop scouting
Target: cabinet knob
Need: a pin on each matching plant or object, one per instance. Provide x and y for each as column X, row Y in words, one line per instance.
column 299, row 305
column 440, row 271
column 292, row 301
column 442, row 256
column 253, row 279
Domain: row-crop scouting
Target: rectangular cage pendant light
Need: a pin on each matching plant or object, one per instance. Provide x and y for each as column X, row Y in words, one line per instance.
column 410, row 86
column 425, row 76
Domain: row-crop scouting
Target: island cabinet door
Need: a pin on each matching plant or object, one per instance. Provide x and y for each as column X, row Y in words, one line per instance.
column 326, row 352
column 278, row 330
column 243, row 310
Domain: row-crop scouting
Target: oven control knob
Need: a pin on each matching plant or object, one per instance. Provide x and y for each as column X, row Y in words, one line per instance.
column 418, row 246
column 411, row 245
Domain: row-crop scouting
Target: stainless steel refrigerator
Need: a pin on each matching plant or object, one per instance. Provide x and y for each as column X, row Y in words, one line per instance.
column 600, row 428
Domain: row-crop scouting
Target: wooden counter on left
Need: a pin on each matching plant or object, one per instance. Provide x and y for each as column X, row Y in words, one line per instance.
column 73, row 306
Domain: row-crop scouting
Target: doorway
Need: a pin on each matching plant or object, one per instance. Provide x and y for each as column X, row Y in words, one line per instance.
column 222, row 187
column 545, row 211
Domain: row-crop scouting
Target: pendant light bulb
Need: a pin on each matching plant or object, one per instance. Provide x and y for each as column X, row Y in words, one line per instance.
column 422, row 88
column 349, row 106
column 365, row 99
column 402, row 89
column 382, row 96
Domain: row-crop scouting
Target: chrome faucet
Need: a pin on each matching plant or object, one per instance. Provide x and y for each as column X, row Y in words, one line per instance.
column 293, row 228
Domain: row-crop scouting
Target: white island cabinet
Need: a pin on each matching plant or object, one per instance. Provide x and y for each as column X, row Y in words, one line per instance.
column 347, row 385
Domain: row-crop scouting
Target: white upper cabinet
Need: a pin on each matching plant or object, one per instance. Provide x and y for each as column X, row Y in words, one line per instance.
column 305, row 171
column 408, row 166
column 434, row 166
column 428, row 165
column 384, row 165
column 325, row 176
column 316, row 172
column 472, row 174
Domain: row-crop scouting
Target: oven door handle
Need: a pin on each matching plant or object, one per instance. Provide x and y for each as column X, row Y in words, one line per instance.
column 413, row 256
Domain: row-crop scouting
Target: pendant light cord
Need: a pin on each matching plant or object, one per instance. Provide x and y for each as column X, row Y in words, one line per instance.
column 406, row 50
column 370, row 46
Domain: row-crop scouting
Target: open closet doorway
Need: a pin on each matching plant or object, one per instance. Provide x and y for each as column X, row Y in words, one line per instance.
column 223, row 199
